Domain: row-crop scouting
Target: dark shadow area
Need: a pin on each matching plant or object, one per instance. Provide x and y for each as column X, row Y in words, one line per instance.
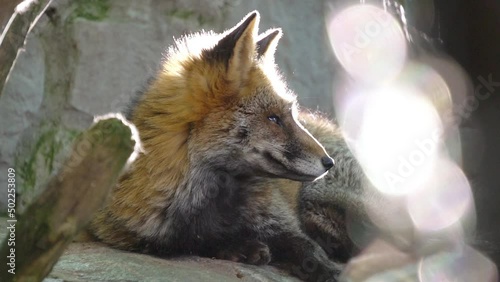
column 470, row 31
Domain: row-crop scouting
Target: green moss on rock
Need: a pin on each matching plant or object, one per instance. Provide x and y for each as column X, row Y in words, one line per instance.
column 44, row 146
column 186, row 14
column 93, row 10
column 40, row 162
column 181, row 13
column 202, row 21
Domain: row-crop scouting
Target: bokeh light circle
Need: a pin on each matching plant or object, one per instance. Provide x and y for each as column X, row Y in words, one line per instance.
column 465, row 264
column 368, row 42
column 395, row 134
column 443, row 200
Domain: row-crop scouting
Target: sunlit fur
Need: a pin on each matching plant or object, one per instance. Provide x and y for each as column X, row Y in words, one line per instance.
column 213, row 157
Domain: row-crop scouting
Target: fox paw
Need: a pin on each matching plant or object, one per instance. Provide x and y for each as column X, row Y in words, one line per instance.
column 251, row 252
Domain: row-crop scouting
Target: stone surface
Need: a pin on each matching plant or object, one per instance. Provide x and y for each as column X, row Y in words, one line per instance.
column 92, row 261
column 95, row 262
column 112, row 65
column 19, row 104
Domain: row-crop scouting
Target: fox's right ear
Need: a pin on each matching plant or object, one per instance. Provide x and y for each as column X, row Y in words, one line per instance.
column 237, row 48
column 267, row 42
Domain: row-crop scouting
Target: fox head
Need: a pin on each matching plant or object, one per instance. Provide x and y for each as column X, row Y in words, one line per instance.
column 220, row 101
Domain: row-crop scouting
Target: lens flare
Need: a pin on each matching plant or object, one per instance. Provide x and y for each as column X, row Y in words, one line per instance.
column 466, row 264
column 430, row 83
column 390, row 216
column 368, row 42
column 442, row 201
column 395, row 134
column 450, row 102
column 400, row 119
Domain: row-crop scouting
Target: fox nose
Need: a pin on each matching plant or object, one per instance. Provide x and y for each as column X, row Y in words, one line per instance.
column 327, row 162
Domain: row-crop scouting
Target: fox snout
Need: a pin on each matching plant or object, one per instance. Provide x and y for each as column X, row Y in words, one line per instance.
column 306, row 159
column 315, row 166
column 313, row 160
column 310, row 168
column 327, row 162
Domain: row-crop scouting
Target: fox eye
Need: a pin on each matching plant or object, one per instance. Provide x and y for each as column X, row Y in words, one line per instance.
column 276, row 119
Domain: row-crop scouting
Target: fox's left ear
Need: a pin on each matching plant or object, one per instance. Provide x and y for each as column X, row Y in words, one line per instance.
column 237, row 48
column 267, row 43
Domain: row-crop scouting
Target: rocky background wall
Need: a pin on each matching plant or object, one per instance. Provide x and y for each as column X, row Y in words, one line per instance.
column 86, row 58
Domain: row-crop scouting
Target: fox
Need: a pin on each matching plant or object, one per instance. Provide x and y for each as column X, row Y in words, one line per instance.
column 221, row 140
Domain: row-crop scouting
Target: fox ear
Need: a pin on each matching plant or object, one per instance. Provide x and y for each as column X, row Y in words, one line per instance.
column 267, row 42
column 237, row 48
